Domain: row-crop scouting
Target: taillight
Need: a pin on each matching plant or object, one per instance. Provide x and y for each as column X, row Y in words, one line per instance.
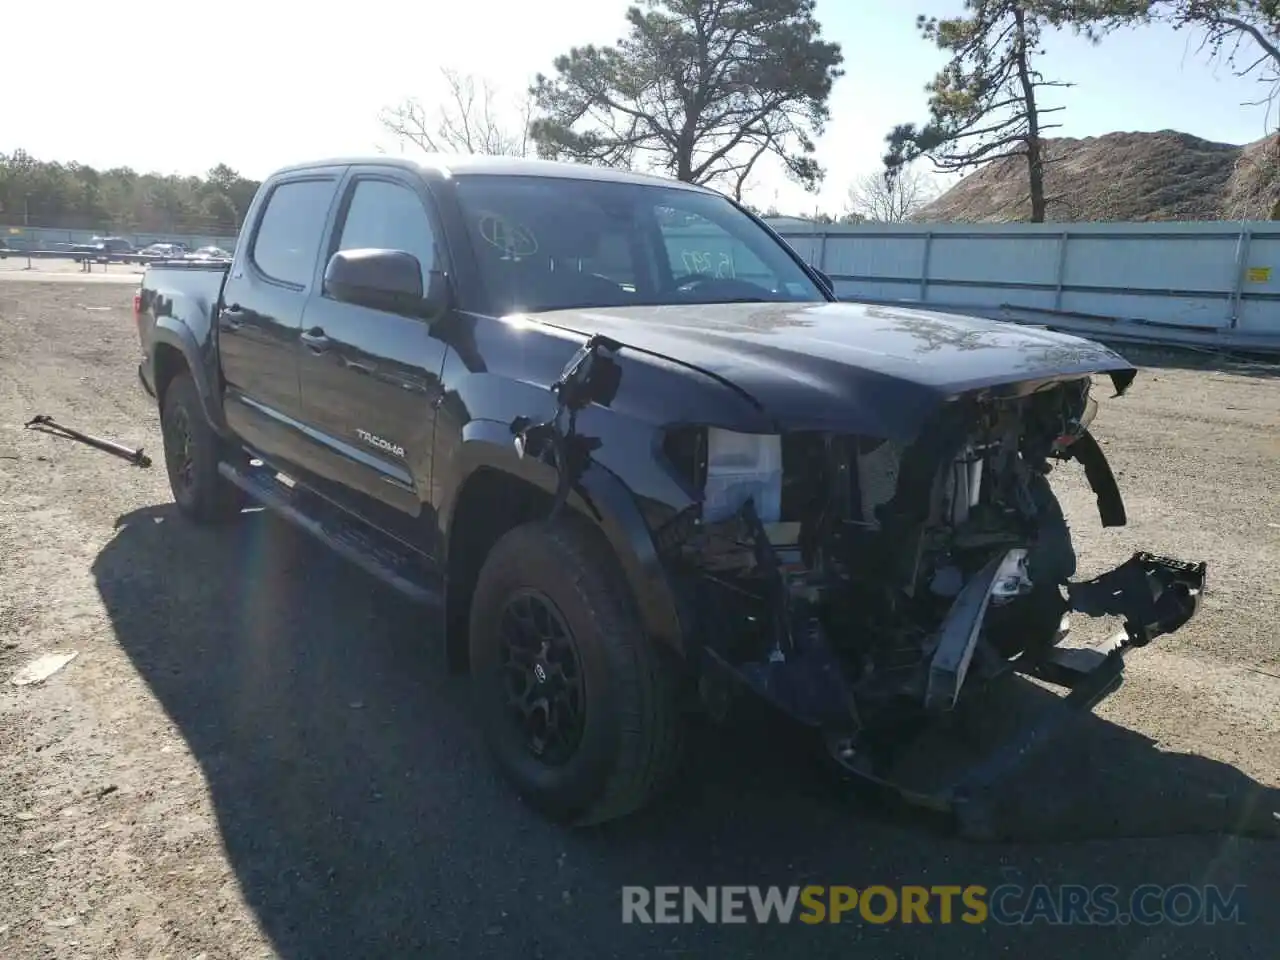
column 137, row 303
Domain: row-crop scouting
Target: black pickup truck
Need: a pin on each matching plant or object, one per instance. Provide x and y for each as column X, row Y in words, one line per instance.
column 643, row 462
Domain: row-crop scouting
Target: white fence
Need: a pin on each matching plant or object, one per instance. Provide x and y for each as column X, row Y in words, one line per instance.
column 1211, row 283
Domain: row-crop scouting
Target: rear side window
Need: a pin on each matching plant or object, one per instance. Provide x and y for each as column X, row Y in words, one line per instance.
column 389, row 216
column 290, row 230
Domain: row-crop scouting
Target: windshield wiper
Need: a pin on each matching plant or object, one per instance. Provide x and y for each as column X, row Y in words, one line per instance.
column 550, row 307
column 740, row 300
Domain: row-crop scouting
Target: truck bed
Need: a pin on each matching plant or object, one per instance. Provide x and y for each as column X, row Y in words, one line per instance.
column 188, row 283
column 182, row 293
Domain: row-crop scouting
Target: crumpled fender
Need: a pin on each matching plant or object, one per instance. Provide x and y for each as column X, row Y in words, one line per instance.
column 599, row 496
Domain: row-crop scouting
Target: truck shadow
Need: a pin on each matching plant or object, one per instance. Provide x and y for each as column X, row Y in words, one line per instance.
column 362, row 818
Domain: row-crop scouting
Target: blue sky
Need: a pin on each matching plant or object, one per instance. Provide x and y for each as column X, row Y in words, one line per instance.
column 181, row 86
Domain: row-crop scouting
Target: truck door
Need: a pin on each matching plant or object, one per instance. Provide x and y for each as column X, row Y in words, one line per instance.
column 261, row 316
column 370, row 379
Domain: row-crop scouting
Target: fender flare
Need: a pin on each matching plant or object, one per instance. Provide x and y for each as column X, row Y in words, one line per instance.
column 1102, row 481
column 175, row 334
column 608, row 505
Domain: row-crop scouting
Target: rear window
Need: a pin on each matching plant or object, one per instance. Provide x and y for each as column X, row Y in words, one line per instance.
column 289, row 233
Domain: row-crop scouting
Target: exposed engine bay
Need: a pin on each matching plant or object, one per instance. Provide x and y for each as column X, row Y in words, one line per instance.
column 860, row 584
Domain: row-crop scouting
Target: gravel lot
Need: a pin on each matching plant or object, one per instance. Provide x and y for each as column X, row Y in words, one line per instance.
column 258, row 753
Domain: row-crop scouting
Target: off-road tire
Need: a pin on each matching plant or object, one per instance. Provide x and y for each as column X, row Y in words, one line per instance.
column 191, row 454
column 632, row 735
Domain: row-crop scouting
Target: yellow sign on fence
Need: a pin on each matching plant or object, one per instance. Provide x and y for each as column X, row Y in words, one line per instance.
column 1259, row 274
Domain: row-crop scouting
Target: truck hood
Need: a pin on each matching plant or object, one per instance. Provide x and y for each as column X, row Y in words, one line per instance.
column 849, row 367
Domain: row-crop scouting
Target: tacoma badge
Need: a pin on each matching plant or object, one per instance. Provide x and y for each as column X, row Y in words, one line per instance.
column 375, row 441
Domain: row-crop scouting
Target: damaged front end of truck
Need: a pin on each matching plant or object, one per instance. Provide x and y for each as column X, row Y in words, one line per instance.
column 876, row 588
column 872, row 588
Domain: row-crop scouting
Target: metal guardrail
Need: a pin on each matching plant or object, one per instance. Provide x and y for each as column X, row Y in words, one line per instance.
column 87, row 258
column 58, row 238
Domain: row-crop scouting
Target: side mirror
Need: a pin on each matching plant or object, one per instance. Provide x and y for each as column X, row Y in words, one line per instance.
column 388, row 280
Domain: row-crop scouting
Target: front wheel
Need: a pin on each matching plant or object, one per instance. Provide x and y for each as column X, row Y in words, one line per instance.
column 577, row 704
column 191, row 454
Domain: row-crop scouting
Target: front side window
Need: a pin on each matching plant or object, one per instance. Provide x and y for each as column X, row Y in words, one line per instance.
column 389, row 216
column 288, row 237
column 548, row 243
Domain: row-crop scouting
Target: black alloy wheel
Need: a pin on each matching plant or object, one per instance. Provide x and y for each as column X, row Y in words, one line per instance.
column 542, row 677
column 179, row 443
column 191, row 455
column 578, row 705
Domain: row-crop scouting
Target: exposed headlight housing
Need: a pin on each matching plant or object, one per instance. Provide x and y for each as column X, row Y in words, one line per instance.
column 742, row 466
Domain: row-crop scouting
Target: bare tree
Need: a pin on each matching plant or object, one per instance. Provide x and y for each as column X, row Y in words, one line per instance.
column 469, row 119
column 985, row 103
column 895, row 199
column 1243, row 33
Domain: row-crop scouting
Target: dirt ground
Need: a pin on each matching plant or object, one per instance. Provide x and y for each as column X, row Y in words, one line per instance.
column 258, row 753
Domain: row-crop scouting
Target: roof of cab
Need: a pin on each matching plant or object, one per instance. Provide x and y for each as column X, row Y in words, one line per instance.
column 445, row 166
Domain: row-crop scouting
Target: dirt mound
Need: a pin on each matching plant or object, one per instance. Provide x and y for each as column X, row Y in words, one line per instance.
column 1126, row 176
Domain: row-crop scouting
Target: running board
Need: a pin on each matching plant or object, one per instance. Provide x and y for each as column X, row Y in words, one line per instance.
column 346, row 536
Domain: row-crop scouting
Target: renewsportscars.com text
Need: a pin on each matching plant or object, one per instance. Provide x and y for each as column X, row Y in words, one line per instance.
column 1006, row 904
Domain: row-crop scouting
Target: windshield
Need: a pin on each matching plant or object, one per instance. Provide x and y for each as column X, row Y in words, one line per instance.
column 547, row 243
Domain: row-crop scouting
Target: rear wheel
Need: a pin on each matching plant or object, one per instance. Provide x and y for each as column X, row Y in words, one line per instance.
column 191, row 454
column 577, row 704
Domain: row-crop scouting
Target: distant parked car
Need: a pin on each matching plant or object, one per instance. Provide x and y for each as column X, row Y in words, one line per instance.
column 171, row 250
column 4, row 250
column 209, row 253
column 110, row 248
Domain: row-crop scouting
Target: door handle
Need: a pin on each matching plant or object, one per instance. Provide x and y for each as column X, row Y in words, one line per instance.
column 231, row 317
column 316, row 340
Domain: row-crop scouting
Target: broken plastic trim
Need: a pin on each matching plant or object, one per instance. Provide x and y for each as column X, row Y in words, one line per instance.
column 1101, row 480
column 1155, row 595
column 591, row 376
column 1122, row 380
